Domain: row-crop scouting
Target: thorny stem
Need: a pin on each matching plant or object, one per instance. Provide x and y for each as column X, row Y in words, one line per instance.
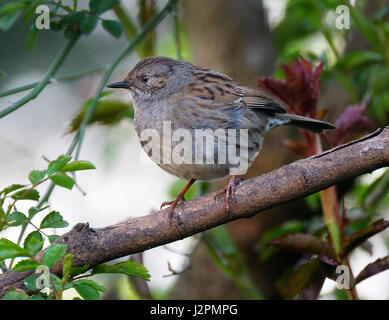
column 43, row 83
column 51, row 81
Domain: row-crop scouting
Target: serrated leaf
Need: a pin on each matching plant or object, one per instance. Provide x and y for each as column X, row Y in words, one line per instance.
column 373, row 268
column 130, row 268
column 78, row 166
column 62, row 180
column 11, row 188
column 53, row 220
column 357, row 238
column 79, row 270
column 73, row 18
column 26, row 265
column 88, row 289
column 100, row 6
column 36, row 176
column 34, row 210
column 113, row 27
column 53, row 254
column 53, row 237
column 26, row 194
column 30, row 282
column 15, row 294
column 34, row 242
column 306, row 243
column 56, row 165
column 88, row 24
column 8, row 249
column 17, row 219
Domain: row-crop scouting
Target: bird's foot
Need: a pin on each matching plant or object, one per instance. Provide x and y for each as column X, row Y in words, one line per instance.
column 229, row 192
column 179, row 199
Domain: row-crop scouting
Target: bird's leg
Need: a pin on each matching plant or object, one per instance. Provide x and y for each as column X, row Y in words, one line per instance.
column 180, row 198
column 229, row 192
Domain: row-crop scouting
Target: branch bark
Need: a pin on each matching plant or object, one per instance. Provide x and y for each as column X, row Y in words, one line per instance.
column 290, row 182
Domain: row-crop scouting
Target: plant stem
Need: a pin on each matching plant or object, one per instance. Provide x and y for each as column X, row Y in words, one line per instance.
column 34, row 84
column 46, row 79
column 330, row 207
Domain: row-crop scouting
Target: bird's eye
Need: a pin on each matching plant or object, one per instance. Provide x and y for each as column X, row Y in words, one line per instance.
column 145, row 78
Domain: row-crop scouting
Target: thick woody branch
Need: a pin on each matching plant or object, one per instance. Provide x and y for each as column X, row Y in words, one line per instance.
column 290, row 182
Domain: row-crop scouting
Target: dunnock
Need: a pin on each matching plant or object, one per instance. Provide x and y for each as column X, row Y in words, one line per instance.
column 188, row 97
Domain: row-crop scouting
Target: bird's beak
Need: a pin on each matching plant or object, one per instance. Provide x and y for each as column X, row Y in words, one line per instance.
column 121, row 84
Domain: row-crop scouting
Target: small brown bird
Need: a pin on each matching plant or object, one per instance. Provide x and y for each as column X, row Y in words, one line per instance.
column 171, row 96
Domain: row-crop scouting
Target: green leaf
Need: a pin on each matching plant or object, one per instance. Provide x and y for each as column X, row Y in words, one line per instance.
column 15, row 294
column 53, row 237
column 34, row 242
column 67, row 266
column 88, row 24
column 62, row 180
column 78, row 165
column 7, row 20
column 79, row 270
column 34, row 210
column 31, row 38
column 36, row 176
column 107, row 112
column 26, row 265
column 357, row 60
column 12, row 188
column 88, row 289
column 113, row 27
column 53, row 254
column 130, row 268
column 100, row 6
column 56, row 165
column 17, row 219
column 30, row 282
column 12, row 7
column 53, row 220
column 8, row 249
column 73, row 18
column 2, row 74
column 32, row 194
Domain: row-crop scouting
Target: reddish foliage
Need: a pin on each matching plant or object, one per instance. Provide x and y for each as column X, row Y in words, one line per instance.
column 350, row 124
column 300, row 90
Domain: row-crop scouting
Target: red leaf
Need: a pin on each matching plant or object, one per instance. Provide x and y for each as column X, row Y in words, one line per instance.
column 306, row 243
column 373, row 268
column 357, row 238
column 350, row 124
column 306, row 282
column 300, row 90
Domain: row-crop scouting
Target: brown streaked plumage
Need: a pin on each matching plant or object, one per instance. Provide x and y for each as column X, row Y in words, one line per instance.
column 194, row 98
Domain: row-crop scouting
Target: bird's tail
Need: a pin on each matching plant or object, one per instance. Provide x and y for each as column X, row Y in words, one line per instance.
column 310, row 124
